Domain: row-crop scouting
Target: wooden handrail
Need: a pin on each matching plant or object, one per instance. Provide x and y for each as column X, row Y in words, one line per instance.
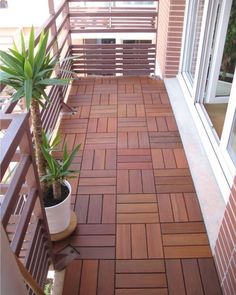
column 29, row 280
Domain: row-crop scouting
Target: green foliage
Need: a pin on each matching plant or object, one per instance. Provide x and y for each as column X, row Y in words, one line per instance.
column 229, row 55
column 29, row 71
column 48, row 287
column 48, row 144
column 57, row 170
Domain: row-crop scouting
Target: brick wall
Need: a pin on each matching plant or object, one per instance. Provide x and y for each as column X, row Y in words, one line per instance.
column 225, row 249
column 169, row 35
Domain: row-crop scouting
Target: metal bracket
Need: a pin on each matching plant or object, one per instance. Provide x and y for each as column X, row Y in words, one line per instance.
column 73, row 110
column 65, row 256
column 155, row 77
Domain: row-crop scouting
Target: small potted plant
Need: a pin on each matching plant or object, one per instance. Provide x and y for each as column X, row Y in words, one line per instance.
column 58, row 196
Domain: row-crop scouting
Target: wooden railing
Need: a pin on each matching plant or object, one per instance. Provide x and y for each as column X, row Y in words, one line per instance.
column 117, row 20
column 112, row 19
column 111, row 59
column 59, row 44
column 22, row 210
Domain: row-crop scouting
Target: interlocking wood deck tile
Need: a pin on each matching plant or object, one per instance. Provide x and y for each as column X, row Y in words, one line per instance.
column 179, row 207
column 132, row 125
column 135, row 180
column 95, row 209
column 140, row 228
column 104, row 98
column 96, row 141
column 133, row 140
column 185, row 276
column 131, row 110
column 102, row 125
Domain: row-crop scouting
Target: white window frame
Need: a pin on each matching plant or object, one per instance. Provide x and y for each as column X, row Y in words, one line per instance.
column 187, row 34
column 228, row 125
column 218, row 155
column 215, row 65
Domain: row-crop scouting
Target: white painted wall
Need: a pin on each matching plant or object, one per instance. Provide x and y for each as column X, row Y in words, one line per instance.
column 24, row 13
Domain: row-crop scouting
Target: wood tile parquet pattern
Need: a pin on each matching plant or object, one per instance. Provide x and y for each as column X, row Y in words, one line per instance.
column 140, row 228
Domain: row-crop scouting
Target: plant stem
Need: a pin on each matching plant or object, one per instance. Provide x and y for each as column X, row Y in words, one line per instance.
column 56, row 187
column 37, row 134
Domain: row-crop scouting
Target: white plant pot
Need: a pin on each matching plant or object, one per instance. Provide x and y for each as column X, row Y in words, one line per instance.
column 58, row 216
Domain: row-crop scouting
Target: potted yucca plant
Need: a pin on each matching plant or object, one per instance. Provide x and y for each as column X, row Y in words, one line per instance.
column 58, row 196
column 28, row 72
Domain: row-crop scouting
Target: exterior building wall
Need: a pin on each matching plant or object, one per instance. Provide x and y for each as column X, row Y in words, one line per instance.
column 169, row 39
column 169, row 36
column 225, row 250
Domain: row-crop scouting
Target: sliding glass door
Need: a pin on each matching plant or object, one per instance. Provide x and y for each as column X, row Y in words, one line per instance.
column 228, row 138
column 208, row 70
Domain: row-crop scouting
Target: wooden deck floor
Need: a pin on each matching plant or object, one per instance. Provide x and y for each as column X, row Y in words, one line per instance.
column 140, row 228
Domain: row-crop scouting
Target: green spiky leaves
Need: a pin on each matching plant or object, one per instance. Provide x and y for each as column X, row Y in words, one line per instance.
column 28, row 69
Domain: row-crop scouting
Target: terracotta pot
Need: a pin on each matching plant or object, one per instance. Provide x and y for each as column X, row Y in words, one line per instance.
column 58, row 216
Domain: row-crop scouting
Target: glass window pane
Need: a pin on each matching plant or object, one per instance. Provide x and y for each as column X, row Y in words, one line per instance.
column 229, row 58
column 193, row 38
column 232, row 143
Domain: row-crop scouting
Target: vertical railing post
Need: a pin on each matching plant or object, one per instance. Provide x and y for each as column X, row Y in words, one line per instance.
column 67, row 10
column 55, row 47
column 110, row 18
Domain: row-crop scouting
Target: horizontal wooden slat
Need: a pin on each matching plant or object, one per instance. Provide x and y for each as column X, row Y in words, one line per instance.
column 116, row 67
column 110, row 61
column 141, row 30
column 105, row 71
column 112, row 14
column 146, row 45
column 115, row 51
column 109, row 1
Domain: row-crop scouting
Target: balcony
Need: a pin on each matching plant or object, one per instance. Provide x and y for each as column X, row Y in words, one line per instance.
column 140, row 228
